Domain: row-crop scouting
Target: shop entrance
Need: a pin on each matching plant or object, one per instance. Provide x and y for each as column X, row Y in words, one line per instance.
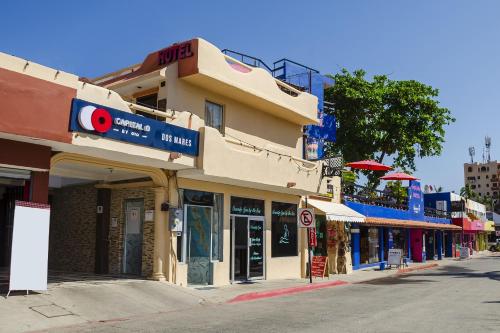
column 14, row 185
column 247, row 247
column 132, row 256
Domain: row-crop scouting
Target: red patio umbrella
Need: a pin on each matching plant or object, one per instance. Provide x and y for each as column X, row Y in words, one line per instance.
column 369, row 165
column 398, row 176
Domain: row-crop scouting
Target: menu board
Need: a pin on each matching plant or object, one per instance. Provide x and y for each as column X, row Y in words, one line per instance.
column 319, row 266
column 256, row 248
column 283, row 229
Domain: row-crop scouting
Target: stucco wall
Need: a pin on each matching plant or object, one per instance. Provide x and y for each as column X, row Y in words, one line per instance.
column 116, row 233
column 72, row 228
column 242, row 121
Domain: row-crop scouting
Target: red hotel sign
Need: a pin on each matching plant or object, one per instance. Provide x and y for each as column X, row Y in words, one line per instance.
column 175, row 52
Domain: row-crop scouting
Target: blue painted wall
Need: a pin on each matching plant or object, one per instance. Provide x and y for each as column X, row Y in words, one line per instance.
column 431, row 198
column 390, row 213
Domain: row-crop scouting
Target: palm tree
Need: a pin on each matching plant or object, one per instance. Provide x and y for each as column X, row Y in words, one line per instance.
column 467, row 192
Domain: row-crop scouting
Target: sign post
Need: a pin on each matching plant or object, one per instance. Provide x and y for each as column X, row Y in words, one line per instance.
column 306, row 220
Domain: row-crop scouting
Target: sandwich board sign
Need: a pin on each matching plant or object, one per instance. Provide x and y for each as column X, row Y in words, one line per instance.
column 30, row 247
column 394, row 257
column 306, row 218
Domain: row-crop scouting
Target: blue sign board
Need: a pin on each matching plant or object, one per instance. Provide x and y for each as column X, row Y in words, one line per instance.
column 416, row 200
column 128, row 127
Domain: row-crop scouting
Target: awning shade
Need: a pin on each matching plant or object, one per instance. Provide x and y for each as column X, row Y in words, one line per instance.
column 398, row 176
column 409, row 224
column 336, row 212
column 368, row 165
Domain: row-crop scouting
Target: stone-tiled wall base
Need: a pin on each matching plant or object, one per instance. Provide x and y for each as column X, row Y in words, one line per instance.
column 72, row 229
column 116, row 233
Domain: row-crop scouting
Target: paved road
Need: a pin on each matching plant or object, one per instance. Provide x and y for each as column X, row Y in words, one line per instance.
column 461, row 297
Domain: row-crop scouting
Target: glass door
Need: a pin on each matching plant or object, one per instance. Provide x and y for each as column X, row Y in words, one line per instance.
column 247, row 243
column 255, row 248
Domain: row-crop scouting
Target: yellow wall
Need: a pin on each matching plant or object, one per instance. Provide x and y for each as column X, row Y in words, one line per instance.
column 275, row 268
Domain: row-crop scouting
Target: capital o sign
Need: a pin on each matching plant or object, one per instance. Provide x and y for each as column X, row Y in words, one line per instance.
column 95, row 119
column 305, row 218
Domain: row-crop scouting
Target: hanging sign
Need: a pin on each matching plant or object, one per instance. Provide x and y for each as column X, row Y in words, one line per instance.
column 128, row 127
column 313, row 240
column 306, row 218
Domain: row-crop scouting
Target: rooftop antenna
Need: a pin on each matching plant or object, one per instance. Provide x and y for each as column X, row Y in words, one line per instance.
column 472, row 152
column 487, row 144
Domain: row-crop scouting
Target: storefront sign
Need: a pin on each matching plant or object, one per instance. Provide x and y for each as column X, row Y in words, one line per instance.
column 175, row 52
column 128, row 127
column 245, row 206
column 306, row 218
column 319, row 266
column 283, row 229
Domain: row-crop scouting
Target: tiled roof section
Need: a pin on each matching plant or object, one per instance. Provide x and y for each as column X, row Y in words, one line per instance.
column 409, row 224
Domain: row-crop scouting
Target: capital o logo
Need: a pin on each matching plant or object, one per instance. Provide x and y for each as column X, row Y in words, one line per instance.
column 95, row 119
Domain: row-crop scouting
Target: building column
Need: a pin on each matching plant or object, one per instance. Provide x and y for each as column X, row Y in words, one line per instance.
column 408, row 243
column 381, row 244
column 390, row 240
column 439, row 244
column 355, row 238
column 160, row 261
column 40, row 187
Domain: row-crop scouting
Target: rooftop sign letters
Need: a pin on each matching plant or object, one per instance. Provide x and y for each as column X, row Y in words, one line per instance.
column 175, row 52
column 128, row 127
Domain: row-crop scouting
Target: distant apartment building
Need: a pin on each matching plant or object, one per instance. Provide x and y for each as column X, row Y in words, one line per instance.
column 484, row 180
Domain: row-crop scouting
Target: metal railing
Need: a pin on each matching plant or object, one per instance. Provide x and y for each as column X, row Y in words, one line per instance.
column 247, row 59
column 369, row 196
column 433, row 212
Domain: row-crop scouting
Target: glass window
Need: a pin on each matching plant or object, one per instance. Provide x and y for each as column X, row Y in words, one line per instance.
column 214, row 116
column 369, row 245
column 284, row 229
column 150, row 101
column 207, row 199
column 321, row 248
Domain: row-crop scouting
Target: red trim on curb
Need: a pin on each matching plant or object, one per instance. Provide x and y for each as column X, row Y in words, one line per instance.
column 411, row 269
column 284, row 291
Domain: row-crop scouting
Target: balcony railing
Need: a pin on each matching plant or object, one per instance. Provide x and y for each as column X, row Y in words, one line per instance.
column 432, row 212
column 362, row 194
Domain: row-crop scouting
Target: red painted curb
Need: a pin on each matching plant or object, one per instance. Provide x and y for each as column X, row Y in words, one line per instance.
column 411, row 269
column 284, row 291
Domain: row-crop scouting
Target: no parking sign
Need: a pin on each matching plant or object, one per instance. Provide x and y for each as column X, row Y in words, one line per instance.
column 306, row 218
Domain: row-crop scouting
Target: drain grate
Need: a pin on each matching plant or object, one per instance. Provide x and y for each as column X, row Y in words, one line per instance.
column 51, row 310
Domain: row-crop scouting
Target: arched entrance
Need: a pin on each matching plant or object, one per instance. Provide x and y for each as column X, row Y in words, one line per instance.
column 107, row 216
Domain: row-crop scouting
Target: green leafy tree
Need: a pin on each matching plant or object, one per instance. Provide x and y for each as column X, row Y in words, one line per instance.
column 382, row 118
column 467, row 192
column 397, row 191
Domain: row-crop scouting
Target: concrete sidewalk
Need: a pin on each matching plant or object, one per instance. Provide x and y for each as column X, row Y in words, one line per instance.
column 81, row 299
column 72, row 302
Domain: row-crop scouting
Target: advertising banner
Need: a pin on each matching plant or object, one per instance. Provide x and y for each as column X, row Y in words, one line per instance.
column 30, row 246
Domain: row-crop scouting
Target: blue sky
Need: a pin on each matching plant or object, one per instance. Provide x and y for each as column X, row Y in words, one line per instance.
column 453, row 45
